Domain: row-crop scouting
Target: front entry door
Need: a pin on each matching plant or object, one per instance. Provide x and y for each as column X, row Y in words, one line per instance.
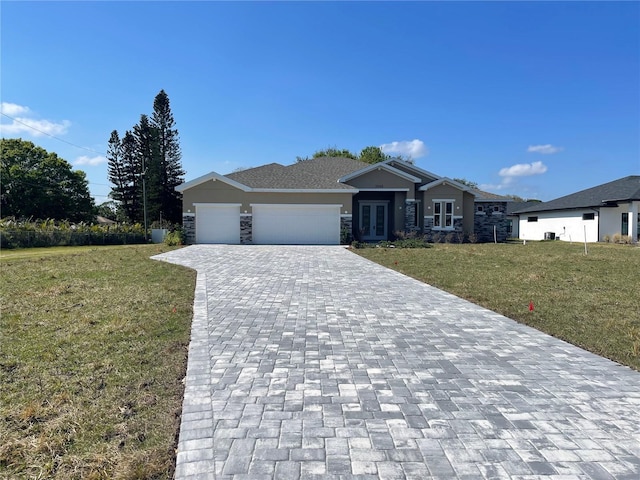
column 373, row 221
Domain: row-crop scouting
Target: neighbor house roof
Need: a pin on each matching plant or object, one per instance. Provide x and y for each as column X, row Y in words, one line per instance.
column 482, row 196
column 621, row 190
column 516, row 206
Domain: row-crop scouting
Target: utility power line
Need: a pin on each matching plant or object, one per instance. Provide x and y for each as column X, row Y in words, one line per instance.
column 52, row 136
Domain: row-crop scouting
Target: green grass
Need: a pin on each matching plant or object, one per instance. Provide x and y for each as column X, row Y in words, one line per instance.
column 93, row 348
column 592, row 301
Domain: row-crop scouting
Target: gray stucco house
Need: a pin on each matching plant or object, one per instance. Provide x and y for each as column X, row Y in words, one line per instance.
column 324, row 200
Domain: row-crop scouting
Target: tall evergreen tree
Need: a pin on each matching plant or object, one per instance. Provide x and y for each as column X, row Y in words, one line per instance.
column 168, row 173
column 124, row 171
column 150, row 152
column 146, row 138
column 133, row 178
column 115, row 171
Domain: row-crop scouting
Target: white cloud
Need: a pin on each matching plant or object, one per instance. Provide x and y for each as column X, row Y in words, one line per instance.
column 22, row 122
column 35, row 128
column 492, row 187
column 544, row 149
column 411, row 149
column 13, row 109
column 91, row 161
column 523, row 170
column 511, row 175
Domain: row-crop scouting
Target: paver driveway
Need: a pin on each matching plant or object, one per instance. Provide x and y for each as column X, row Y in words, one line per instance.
column 312, row 362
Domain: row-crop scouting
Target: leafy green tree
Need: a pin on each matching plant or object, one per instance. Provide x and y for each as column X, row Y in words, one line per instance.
column 108, row 209
column 466, row 182
column 368, row 154
column 334, row 152
column 372, row 155
column 41, row 185
column 518, row 198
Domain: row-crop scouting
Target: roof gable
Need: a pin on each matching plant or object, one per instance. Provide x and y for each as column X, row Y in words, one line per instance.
column 211, row 176
column 624, row 189
column 412, row 169
column 380, row 166
column 445, row 181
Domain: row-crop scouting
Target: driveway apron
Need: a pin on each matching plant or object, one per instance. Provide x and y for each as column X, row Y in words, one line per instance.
column 312, row 362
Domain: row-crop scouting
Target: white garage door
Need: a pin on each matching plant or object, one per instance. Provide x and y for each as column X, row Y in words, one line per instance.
column 217, row 223
column 296, row 224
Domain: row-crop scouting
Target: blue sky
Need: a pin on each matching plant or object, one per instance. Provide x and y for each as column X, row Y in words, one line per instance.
column 536, row 99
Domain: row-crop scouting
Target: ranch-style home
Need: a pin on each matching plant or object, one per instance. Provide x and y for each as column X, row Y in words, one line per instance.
column 328, row 200
column 595, row 214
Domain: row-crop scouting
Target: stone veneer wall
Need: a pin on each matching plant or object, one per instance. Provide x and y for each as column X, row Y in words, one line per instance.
column 246, row 229
column 483, row 222
column 430, row 231
column 410, row 216
column 189, row 227
column 346, row 229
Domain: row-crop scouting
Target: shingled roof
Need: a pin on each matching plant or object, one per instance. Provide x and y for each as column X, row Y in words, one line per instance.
column 316, row 174
column 514, row 206
column 482, row 196
column 621, row 190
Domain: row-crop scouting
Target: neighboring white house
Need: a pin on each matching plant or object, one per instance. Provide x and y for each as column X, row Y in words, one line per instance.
column 592, row 214
column 513, row 228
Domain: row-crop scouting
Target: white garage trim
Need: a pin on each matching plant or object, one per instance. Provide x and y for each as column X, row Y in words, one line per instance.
column 296, row 224
column 218, row 222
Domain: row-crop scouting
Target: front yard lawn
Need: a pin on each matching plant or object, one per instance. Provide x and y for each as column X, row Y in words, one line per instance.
column 592, row 301
column 93, row 348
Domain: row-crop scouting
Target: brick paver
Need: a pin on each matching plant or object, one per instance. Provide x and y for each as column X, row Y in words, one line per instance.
column 312, row 362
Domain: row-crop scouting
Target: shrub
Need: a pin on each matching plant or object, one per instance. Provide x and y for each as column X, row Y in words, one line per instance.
column 175, row 238
column 607, row 238
column 450, row 237
column 403, row 235
column 412, row 243
column 345, row 236
column 473, row 238
column 619, row 238
column 403, row 243
column 48, row 233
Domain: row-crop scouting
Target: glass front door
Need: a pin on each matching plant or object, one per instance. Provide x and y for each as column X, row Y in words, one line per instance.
column 373, row 221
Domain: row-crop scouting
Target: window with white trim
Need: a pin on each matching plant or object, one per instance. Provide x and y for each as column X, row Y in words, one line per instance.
column 443, row 214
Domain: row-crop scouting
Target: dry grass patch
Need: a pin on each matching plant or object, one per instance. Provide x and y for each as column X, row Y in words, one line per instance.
column 592, row 301
column 92, row 357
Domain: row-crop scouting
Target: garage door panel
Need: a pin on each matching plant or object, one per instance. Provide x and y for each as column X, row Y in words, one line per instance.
column 218, row 223
column 296, row 224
